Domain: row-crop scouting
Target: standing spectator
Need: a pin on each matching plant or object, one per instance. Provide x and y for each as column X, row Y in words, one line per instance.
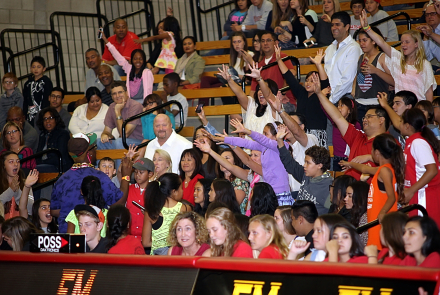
column 56, row 101
column 30, row 135
column 12, row 96
column 388, row 28
column 123, row 40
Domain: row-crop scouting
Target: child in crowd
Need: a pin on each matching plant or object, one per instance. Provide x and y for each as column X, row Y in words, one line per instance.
column 140, row 78
column 265, row 239
column 170, row 36
column 143, row 171
column 226, row 238
column 151, row 101
column 11, row 97
column 171, row 84
column 42, row 218
column 409, row 67
column 36, row 90
column 313, row 176
column 356, row 7
column 120, row 242
column 428, row 110
column 107, row 165
column 92, row 192
column 386, row 187
column 388, row 28
column 91, row 220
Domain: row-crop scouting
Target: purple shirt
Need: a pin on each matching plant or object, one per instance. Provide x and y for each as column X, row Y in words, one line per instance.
column 274, row 172
column 130, row 109
column 66, row 193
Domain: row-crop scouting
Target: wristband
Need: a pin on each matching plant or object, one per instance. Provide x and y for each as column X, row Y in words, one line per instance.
column 119, row 118
column 126, row 178
column 258, row 80
column 280, row 112
column 243, row 27
column 366, row 28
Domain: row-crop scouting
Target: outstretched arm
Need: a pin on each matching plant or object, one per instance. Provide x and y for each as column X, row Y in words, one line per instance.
column 382, row 97
column 374, row 36
column 317, row 61
column 153, row 38
column 241, row 96
column 364, row 169
column 30, row 181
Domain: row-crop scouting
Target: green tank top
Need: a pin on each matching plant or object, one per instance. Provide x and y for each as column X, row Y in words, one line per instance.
column 159, row 236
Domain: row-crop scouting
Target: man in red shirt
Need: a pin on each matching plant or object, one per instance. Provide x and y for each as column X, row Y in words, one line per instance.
column 268, row 41
column 123, row 42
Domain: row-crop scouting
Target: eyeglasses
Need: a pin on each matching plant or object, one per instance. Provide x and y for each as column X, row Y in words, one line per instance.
column 119, row 93
column 266, row 40
column 436, row 107
column 9, row 82
column 11, row 132
column 368, row 117
column 56, row 96
column 48, row 118
column 432, row 14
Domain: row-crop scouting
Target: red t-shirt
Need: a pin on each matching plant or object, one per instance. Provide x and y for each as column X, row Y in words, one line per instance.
column 355, row 259
column 274, row 74
column 242, row 249
column 432, row 261
column 128, row 245
column 387, row 260
column 271, row 252
column 125, row 47
column 177, row 250
column 188, row 192
column 137, row 217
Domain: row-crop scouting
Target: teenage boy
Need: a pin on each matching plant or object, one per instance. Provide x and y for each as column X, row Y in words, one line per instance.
column 304, row 215
column 388, row 28
column 108, row 167
column 313, row 176
column 356, row 7
column 171, row 84
column 143, row 171
column 36, row 90
column 91, row 221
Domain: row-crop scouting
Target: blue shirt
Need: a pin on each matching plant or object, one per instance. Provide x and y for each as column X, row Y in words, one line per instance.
column 147, row 125
column 66, row 192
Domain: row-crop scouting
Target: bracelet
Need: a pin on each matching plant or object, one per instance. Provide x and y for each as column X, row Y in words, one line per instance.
column 367, row 28
column 258, row 80
column 280, row 112
column 372, row 256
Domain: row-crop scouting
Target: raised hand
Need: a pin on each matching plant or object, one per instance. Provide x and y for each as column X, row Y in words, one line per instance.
column 382, row 98
column 363, row 19
column 362, row 159
column 345, row 165
column 316, row 83
column 326, row 91
column 169, row 11
column 239, row 128
column 202, row 145
column 326, row 18
column 224, row 73
column 126, row 166
column 32, row 178
column 131, row 151
column 202, row 117
column 282, row 132
column 277, row 52
column 255, row 71
column 217, row 138
column 318, row 57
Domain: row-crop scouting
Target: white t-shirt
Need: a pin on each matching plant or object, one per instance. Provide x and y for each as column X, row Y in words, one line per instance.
column 182, row 99
column 299, row 154
column 254, row 123
column 422, row 153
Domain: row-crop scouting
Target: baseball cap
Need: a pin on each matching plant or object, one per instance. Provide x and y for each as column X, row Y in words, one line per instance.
column 91, row 209
column 80, row 143
column 144, row 164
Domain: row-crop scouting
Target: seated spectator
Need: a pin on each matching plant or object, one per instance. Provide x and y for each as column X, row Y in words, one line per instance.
column 208, row 162
column 337, row 195
column 12, row 96
column 151, row 101
column 436, row 105
column 66, row 191
column 53, row 135
column 161, row 208
column 283, row 219
column 356, row 7
column 304, row 214
column 41, row 217
column 190, row 171
column 431, row 48
column 91, row 222
column 191, row 65
column 56, row 101
column 222, row 191
column 94, row 62
column 226, row 238
column 263, row 200
column 140, row 78
column 12, row 138
column 123, row 41
column 422, row 243
column 89, row 117
column 106, row 77
column 256, row 18
column 171, row 84
column 120, row 242
column 356, row 199
column 236, row 17
column 188, row 236
column 121, row 109
column 265, row 239
column 322, row 35
column 388, row 28
column 36, row 90
column 107, row 165
column 162, row 163
column 278, row 21
column 91, row 192
column 166, row 139
column 30, row 135
column 17, row 233
column 201, row 195
column 428, row 110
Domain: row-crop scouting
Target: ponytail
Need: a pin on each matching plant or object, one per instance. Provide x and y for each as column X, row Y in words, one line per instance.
column 118, row 217
column 92, row 191
column 430, row 137
column 157, row 193
column 417, row 120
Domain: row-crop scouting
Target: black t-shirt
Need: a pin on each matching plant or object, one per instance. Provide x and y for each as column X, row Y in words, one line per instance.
column 309, row 239
column 100, row 248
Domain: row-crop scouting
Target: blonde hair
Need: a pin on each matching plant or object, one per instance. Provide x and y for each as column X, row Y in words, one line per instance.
column 270, row 226
column 18, row 230
column 227, row 220
column 164, row 154
column 199, row 225
column 336, row 5
column 286, row 215
column 2, row 210
column 420, row 52
column 278, row 15
column 87, row 213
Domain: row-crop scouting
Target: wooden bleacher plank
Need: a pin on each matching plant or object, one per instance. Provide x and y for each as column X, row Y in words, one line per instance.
column 216, row 60
column 68, row 98
column 159, row 77
column 187, row 131
column 345, row 6
column 43, row 177
column 114, row 154
column 403, row 28
column 437, row 79
column 219, row 110
column 208, row 45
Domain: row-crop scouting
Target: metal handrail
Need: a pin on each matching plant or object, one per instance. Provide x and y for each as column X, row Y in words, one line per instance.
column 124, row 138
column 291, row 58
column 60, row 166
column 385, row 19
column 217, row 14
column 373, row 223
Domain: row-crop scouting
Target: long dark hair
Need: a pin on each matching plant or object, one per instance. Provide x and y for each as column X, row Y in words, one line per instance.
column 59, row 124
column 52, row 226
column 211, row 161
column 206, row 183
column 257, row 54
column 171, row 24
column 340, row 185
column 360, row 198
column 158, row 191
column 430, row 231
column 92, row 191
column 352, row 116
column 357, row 247
column 417, row 120
column 237, row 162
column 261, row 109
column 198, row 169
column 141, row 70
column 264, row 200
column 393, row 227
column 4, row 183
column 391, row 150
column 234, row 54
column 224, row 193
column 118, row 217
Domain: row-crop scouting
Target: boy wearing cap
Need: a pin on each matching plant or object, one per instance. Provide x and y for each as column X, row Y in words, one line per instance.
column 388, row 28
column 90, row 223
column 143, row 171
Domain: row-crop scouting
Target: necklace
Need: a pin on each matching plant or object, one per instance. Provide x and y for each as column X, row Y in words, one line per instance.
column 81, row 165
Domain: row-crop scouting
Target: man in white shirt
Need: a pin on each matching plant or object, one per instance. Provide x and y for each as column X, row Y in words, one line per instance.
column 341, row 57
column 167, row 139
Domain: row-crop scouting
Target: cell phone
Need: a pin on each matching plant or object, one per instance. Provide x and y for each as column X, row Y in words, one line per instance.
column 199, row 107
column 308, row 44
column 138, row 205
column 100, row 33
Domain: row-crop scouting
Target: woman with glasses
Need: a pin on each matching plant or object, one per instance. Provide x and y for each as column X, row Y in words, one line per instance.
column 12, row 138
column 11, row 97
column 53, row 135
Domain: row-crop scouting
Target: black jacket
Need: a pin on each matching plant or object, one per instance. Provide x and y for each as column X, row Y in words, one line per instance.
column 57, row 139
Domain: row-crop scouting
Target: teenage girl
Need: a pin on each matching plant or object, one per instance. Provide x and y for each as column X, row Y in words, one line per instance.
column 409, row 66
column 41, row 217
column 386, row 187
column 140, row 78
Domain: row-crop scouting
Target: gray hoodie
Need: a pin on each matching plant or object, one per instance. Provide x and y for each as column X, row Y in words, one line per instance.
column 314, row 189
column 16, row 99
